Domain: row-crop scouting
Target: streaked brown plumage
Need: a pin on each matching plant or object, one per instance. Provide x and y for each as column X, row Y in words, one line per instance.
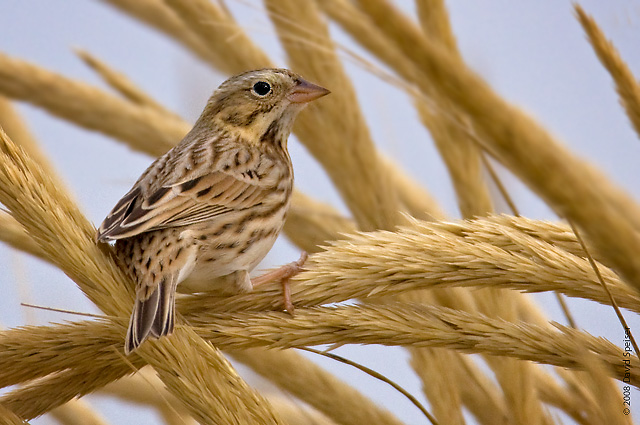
column 205, row 214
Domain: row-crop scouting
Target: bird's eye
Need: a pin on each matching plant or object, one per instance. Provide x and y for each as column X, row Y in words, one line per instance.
column 261, row 88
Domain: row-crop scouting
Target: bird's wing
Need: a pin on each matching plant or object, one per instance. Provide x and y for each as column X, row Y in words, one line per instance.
column 187, row 202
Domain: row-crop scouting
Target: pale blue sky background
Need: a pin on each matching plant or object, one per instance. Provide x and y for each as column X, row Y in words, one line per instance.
column 533, row 52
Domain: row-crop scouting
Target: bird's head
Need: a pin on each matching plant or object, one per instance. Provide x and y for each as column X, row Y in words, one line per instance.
column 260, row 105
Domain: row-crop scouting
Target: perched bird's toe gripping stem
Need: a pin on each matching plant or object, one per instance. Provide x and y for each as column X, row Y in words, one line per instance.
column 283, row 274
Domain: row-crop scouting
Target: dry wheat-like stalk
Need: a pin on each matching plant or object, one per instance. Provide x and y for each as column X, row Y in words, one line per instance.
column 220, row 34
column 97, row 361
column 77, row 412
column 33, row 354
column 13, row 234
column 389, row 263
column 373, row 271
column 412, row 195
column 67, row 99
column 157, row 14
column 416, row 325
column 295, row 414
column 522, row 245
column 606, row 399
column 482, row 238
column 462, row 156
column 50, row 217
column 313, row 385
column 40, row 346
column 120, row 83
column 146, row 388
column 450, row 130
column 555, row 395
column 50, row 360
column 205, row 382
column 451, row 133
column 311, row 224
column 11, row 231
column 434, row 18
column 575, row 189
column 438, row 378
column 7, row 417
column 18, row 131
column 405, row 324
column 489, row 407
column 626, row 84
column 299, row 29
column 41, row 396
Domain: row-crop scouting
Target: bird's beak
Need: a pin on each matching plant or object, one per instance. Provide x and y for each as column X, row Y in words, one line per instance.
column 305, row 91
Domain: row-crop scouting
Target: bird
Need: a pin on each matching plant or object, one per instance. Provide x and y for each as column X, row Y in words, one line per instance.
column 204, row 214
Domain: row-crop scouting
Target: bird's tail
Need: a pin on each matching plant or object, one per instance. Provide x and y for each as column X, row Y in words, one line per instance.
column 154, row 316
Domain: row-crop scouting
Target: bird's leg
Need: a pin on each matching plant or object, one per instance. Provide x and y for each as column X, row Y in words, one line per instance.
column 283, row 274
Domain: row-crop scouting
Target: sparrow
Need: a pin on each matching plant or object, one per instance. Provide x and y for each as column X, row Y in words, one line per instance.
column 204, row 214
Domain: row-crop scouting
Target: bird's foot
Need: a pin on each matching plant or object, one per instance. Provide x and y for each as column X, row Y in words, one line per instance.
column 283, row 274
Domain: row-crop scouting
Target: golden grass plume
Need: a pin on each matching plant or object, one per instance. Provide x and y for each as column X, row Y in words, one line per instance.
column 626, row 83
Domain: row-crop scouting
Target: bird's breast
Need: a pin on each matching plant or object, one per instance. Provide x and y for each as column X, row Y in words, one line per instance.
column 240, row 243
